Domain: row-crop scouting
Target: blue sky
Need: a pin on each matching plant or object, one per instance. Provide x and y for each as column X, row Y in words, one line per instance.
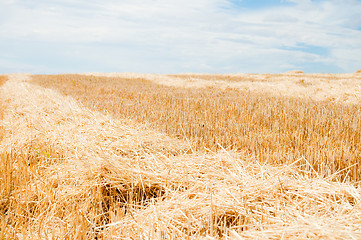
column 165, row 36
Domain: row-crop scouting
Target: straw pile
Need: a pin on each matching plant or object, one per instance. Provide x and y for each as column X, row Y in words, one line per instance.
column 69, row 172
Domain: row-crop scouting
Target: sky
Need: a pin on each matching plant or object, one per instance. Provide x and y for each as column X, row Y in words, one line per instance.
column 168, row 36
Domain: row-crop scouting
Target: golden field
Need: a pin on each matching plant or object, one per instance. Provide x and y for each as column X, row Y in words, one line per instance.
column 273, row 129
column 189, row 156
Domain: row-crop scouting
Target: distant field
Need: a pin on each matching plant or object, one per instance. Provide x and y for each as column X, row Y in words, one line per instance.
column 146, row 156
column 339, row 88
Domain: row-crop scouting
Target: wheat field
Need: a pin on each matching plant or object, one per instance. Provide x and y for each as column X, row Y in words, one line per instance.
column 274, row 129
column 188, row 156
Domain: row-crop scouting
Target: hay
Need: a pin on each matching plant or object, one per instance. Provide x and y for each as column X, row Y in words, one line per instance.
column 358, row 72
column 67, row 176
column 250, row 199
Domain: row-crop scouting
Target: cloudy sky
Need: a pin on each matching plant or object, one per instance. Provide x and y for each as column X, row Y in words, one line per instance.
column 168, row 36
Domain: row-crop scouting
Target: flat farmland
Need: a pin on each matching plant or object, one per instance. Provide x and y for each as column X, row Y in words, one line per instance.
column 186, row 156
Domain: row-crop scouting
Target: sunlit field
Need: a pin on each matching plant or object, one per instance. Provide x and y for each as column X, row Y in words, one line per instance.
column 271, row 128
column 189, row 156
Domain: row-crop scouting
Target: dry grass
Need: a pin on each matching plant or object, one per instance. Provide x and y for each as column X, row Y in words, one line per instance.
column 67, row 172
column 187, row 197
column 273, row 129
column 239, row 200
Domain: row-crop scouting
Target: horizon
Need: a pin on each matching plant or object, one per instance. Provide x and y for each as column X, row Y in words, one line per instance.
column 168, row 37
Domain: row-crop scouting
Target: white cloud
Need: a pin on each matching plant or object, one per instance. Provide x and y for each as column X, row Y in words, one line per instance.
column 174, row 36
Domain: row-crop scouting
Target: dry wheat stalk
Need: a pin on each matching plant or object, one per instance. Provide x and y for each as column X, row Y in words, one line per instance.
column 65, row 174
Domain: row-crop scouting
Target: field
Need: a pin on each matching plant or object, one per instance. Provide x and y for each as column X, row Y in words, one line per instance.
column 187, row 156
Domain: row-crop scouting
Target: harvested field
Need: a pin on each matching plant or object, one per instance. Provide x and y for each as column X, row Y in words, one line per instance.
column 124, row 158
column 271, row 128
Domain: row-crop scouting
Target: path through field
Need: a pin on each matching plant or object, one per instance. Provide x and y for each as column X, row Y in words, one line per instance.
column 43, row 114
column 90, row 175
column 83, row 143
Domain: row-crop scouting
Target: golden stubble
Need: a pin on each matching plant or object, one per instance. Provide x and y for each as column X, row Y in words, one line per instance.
column 274, row 129
column 81, row 170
